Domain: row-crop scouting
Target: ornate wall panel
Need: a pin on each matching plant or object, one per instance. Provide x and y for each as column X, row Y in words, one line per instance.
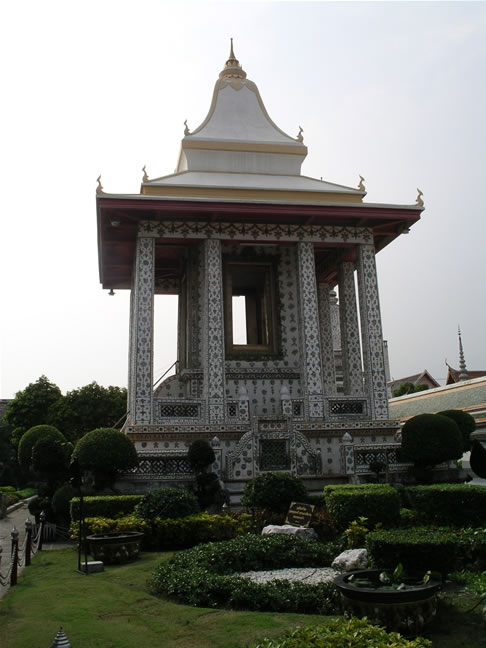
column 214, row 332
column 371, row 332
column 141, row 334
column 310, row 329
column 328, row 366
column 351, row 351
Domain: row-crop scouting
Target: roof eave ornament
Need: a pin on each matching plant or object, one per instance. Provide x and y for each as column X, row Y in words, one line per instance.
column 361, row 185
column 99, row 188
column 419, row 201
column 232, row 68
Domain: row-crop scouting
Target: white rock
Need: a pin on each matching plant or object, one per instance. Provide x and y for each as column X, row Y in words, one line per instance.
column 351, row 559
column 289, row 530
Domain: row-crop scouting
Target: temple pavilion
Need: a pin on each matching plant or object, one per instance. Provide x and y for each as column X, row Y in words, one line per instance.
column 280, row 360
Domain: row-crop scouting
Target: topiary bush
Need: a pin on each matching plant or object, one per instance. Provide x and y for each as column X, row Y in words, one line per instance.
column 32, row 436
column 105, row 451
column 349, row 633
column 466, row 424
column 61, row 501
column 428, row 440
column 167, row 503
column 205, row 575
column 376, row 502
column 273, row 492
column 200, row 455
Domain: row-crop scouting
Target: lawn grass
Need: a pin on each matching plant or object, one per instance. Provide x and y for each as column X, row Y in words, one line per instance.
column 114, row 609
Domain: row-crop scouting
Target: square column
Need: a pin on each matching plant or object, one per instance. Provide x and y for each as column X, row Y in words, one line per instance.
column 140, row 379
column 327, row 346
column 213, row 325
column 310, row 329
column 371, row 332
column 351, row 350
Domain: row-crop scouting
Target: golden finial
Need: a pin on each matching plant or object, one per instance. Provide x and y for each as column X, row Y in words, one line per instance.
column 361, row 186
column 232, row 67
column 419, row 200
column 186, row 129
column 99, row 188
column 300, row 137
column 145, row 176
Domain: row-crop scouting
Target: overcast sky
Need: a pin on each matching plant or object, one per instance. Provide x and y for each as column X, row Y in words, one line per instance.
column 392, row 91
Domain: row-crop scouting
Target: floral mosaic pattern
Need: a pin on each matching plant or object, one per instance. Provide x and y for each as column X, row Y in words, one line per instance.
column 310, row 329
column 353, row 381
column 141, row 335
column 327, row 350
column 371, row 332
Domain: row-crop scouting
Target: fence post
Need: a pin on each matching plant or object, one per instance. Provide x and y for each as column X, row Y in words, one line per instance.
column 28, row 542
column 15, row 556
column 42, row 519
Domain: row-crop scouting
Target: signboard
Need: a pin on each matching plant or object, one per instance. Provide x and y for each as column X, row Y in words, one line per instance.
column 299, row 514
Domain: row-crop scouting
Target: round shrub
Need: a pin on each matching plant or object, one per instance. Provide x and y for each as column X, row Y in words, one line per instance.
column 32, row 436
column 61, row 501
column 352, row 633
column 430, row 439
column 205, row 576
column 465, row 422
column 167, row 503
column 273, row 492
column 106, row 451
column 200, row 455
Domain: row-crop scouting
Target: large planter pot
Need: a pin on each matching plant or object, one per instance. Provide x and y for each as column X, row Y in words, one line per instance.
column 406, row 611
column 115, row 548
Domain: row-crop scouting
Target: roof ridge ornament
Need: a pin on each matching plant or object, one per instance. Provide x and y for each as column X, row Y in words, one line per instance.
column 300, row 137
column 361, row 185
column 145, row 176
column 419, row 200
column 186, row 128
column 99, row 188
column 232, row 67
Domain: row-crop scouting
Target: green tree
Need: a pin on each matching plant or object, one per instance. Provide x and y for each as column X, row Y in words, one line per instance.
column 408, row 388
column 9, row 470
column 50, row 460
column 465, row 422
column 428, row 440
column 30, row 406
column 88, row 408
column 105, row 451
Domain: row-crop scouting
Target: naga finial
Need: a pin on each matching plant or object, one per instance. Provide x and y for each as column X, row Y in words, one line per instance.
column 419, row 200
column 361, row 186
column 186, row 128
column 99, row 188
column 145, row 176
column 300, row 137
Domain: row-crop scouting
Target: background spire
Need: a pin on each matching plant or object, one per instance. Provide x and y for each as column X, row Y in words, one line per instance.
column 462, row 363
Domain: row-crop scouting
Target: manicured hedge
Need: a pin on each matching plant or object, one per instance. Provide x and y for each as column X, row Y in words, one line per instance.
column 352, row 633
column 377, row 502
column 205, row 575
column 448, row 504
column 162, row 535
column 419, row 549
column 109, row 506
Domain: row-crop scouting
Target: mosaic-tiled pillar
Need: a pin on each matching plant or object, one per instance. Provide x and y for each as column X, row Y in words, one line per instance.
column 327, row 351
column 140, row 383
column 213, row 331
column 371, row 332
column 351, row 350
column 310, row 329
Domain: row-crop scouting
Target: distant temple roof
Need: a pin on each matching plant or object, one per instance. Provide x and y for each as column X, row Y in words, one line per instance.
column 453, row 375
column 423, row 378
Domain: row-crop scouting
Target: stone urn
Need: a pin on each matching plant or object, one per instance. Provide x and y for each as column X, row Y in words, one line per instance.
column 406, row 608
column 115, row 548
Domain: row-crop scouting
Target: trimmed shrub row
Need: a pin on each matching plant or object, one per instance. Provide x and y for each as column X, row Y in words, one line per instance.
column 459, row 505
column 205, row 575
column 163, row 535
column 420, row 549
column 377, row 502
column 109, row 506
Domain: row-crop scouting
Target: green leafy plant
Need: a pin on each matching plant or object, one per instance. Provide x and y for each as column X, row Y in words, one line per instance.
column 273, row 492
column 167, row 503
column 356, row 533
column 342, row 633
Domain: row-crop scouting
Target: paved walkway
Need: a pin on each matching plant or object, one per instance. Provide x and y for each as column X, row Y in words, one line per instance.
column 15, row 519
